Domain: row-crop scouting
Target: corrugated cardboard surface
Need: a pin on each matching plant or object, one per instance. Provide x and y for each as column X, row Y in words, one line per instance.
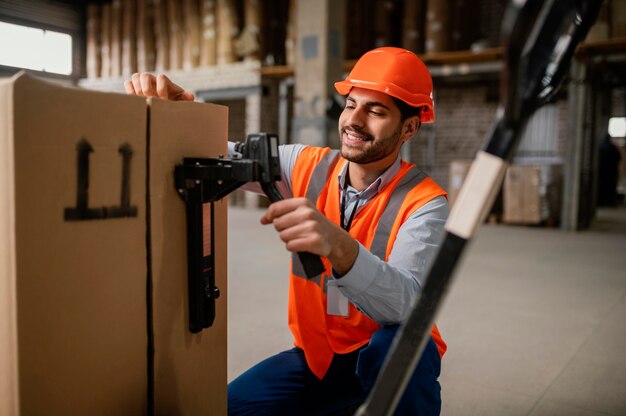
column 74, row 323
column 522, row 199
column 9, row 402
column 190, row 369
column 80, row 285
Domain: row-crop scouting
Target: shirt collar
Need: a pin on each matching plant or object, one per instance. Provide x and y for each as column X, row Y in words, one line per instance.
column 378, row 184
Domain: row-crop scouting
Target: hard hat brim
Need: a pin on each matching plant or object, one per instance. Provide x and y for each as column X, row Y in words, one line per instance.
column 416, row 100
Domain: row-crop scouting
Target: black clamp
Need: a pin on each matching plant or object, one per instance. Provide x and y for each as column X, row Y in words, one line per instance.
column 205, row 180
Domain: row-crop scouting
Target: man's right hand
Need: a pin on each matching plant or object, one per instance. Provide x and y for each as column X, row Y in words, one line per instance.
column 160, row 86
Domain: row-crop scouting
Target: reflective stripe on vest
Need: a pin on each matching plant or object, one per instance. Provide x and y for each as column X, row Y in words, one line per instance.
column 316, row 184
column 381, row 237
column 320, row 175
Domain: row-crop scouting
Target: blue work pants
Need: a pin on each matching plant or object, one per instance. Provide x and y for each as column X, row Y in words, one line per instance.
column 284, row 385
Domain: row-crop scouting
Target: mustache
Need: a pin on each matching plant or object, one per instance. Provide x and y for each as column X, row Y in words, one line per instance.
column 357, row 131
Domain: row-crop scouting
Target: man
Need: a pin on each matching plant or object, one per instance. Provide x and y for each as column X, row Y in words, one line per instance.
column 376, row 221
column 608, row 172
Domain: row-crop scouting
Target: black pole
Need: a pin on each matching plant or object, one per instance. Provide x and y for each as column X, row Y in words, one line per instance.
column 541, row 39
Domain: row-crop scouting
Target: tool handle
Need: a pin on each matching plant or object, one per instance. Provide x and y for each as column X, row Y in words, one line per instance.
column 311, row 263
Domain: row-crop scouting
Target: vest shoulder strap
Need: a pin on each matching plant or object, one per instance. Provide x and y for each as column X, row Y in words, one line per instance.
column 381, row 237
column 311, row 171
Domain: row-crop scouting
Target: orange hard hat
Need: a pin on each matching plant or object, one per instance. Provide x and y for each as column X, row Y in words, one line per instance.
column 396, row 72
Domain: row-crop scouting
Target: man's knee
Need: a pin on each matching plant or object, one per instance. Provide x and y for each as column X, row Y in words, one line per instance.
column 375, row 352
column 423, row 394
column 372, row 356
column 272, row 387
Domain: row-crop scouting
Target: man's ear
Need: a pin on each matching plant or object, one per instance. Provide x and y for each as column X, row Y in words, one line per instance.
column 410, row 127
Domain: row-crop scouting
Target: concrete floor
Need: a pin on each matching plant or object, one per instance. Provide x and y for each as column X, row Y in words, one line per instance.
column 535, row 322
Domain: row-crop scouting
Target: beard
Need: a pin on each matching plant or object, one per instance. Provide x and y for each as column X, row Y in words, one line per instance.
column 377, row 149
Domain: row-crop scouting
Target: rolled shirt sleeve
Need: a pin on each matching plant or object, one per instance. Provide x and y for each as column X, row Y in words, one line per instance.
column 385, row 291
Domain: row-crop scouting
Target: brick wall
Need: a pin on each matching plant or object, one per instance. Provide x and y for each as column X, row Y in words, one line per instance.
column 463, row 116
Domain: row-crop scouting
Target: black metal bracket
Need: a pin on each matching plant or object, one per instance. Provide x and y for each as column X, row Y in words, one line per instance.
column 200, row 181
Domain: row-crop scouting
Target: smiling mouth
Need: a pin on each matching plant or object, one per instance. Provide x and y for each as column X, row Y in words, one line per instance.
column 356, row 137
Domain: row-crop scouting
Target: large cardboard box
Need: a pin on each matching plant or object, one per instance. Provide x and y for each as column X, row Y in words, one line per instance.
column 93, row 273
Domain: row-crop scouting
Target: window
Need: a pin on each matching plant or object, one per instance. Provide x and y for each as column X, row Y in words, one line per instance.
column 617, row 127
column 37, row 49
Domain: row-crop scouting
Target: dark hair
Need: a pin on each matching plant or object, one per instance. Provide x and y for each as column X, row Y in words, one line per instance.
column 406, row 111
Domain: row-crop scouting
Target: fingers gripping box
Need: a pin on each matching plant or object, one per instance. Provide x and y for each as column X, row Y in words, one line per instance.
column 92, row 255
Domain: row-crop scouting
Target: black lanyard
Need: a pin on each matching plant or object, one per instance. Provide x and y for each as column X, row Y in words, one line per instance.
column 343, row 210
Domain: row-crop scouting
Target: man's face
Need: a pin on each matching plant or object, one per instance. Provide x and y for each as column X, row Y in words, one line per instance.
column 370, row 129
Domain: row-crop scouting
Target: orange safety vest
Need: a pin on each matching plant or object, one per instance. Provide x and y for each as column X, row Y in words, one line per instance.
column 315, row 176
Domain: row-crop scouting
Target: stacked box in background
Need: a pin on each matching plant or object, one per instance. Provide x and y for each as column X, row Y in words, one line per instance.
column 85, row 179
column 522, row 201
column 458, row 172
column 532, row 194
